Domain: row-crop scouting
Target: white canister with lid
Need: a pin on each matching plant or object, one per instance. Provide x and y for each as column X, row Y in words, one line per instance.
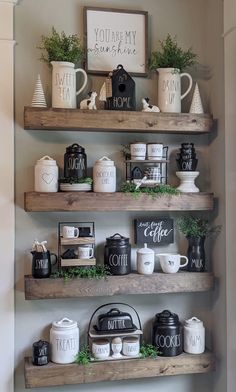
column 104, row 175
column 46, row 175
column 145, row 260
column 194, row 336
column 64, row 340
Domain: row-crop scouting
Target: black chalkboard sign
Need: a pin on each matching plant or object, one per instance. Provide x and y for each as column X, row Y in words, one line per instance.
column 154, row 231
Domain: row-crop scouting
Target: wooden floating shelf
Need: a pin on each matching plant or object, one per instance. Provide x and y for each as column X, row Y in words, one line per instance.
column 77, row 262
column 157, row 283
column 55, row 375
column 115, row 121
column 118, row 201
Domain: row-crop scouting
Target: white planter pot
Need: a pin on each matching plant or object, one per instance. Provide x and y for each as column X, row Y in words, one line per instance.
column 46, row 175
column 64, row 339
column 169, row 89
column 64, row 84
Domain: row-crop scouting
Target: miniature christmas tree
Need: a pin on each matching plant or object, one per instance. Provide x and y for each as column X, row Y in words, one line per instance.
column 196, row 105
column 38, row 99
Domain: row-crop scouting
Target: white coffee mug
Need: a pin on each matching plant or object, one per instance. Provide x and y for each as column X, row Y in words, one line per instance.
column 70, row 232
column 85, row 252
column 171, row 263
column 101, row 349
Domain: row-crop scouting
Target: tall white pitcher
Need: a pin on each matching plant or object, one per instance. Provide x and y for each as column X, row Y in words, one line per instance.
column 169, row 89
column 64, row 84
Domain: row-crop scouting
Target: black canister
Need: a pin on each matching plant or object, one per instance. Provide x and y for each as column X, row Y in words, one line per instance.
column 40, row 353
column 41, row 264
column 75, row 162
column 167, row 334
column 117, row 255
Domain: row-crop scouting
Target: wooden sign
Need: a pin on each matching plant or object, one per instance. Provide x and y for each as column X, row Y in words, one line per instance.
column 116, row 36
column 154, row 231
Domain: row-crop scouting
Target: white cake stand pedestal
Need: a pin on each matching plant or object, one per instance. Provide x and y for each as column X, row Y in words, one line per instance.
column 187, row 181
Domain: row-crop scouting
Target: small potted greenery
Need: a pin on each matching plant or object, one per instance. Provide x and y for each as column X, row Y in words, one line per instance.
column 169, row 62
column 196, row 230
column 62, row 52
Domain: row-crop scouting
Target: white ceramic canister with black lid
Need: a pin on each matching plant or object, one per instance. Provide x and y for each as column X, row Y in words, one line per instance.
column 194, row 336
column 167, row 334
column 64, row 340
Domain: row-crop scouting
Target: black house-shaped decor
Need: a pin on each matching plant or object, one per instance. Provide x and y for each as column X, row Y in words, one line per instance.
column 123, row 91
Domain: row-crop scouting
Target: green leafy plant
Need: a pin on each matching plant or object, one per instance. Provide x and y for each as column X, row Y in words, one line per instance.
column 172, row 56
column 60, row 47
column 192, row 226
column 149, row 351
column 93, row 272
column 76, row 180
column 83, row 357
column 156, row 191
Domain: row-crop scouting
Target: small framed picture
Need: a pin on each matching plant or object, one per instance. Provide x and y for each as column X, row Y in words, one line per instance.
column 113, row 37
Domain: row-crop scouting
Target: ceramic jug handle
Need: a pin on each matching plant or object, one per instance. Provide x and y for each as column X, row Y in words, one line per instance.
column 190, row 83
column 184, row 265
column 85, row 80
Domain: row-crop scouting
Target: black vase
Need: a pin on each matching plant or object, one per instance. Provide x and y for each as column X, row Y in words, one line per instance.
column 196, row 254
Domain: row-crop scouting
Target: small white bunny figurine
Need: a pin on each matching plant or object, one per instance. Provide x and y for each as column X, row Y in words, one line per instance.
column 149, row 108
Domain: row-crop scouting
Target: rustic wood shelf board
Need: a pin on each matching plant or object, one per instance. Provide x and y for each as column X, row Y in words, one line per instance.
column 77, row 241
column 55, row 375
column 157, row 283
column 91, row 201
column 77, row 262
column 115, row 121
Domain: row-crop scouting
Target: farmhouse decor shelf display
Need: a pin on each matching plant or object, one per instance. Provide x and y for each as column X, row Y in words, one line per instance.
column 55, row 375
column 119, row 201
column 157, row 283
column 116, row 121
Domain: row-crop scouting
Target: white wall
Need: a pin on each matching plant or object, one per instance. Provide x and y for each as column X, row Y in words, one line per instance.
column 186, row 18
column 7, row 194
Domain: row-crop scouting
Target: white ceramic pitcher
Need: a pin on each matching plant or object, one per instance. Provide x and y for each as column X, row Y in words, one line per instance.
column 169, row 89
column 64, row 84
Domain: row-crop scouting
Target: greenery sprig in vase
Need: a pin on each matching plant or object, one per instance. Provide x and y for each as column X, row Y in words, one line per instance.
column 196, row 230
column 171, row 55
column 61, row 47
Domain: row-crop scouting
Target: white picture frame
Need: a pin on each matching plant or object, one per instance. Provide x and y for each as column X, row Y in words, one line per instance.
column 113, row 37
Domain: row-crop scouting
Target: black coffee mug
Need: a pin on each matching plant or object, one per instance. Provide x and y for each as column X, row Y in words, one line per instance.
column 41, row 264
